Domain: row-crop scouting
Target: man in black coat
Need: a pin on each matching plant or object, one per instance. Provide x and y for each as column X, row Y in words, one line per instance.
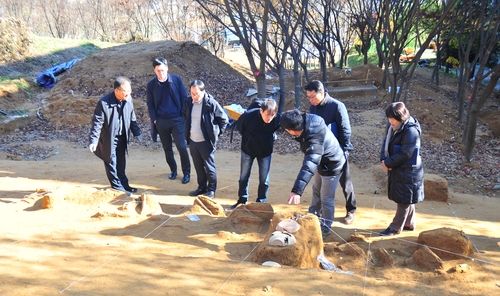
column 323, row 161
column 165, row 96
column 113, row 120
column 257, row 127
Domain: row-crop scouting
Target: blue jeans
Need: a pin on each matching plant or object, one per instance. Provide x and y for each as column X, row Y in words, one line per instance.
column 323, row 199
column 245, row 170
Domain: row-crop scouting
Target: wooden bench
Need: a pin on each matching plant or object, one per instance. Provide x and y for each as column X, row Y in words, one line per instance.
column 339, row 86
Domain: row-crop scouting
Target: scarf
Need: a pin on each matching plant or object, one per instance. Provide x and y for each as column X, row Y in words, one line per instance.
column 387, row 140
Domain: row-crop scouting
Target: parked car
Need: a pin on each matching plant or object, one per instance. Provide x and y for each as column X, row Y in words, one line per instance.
column 424, row 63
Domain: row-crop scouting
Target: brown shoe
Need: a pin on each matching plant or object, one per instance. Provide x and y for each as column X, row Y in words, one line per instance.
column 349, row 218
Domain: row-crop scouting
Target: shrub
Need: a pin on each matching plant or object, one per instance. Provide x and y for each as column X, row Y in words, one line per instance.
column 14, row 39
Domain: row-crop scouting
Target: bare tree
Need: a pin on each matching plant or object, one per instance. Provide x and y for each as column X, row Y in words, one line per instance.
column 174, row 18
column 56, row 13
column 138, row 13
column 486, row 30
column 287, row 15
column 248, row 20
column 213, row 33
column 20, row 10
column 396, row 24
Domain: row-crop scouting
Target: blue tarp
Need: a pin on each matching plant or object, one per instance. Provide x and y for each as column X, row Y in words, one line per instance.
column 47, row 78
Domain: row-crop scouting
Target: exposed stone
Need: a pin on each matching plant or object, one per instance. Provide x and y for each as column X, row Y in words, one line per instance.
column 52, row 199
column 461, row 268
column 356, row 237
column 426, row 259
column 150, row 206
column 354, row 250
column 447, row 243
column 384, row 258
column 302, row 254
column 435, row 187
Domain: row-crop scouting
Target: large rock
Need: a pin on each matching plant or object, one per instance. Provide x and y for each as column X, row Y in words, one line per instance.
column 447, row 243
column 302, row 254
column 427, row 259
column 435, row 188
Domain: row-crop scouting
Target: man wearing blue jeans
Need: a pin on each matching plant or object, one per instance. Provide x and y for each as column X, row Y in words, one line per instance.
column 257, row 127
column 323, row 161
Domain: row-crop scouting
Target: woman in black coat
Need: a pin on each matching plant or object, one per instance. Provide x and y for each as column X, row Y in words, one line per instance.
column 400, row 157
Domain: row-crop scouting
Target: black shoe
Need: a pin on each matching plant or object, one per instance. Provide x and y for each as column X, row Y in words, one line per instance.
column 262, row 200
column 185, row 179
column 210, row 194
column 388, row 231
column 409, row 228
column 172, row 175
column 237, row 204
column 197, row 192
column 134, row 190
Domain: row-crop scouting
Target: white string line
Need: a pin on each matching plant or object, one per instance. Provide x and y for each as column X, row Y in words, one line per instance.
column 368, row 251
column 400, row 239
column 119, row 254
column 237, row 267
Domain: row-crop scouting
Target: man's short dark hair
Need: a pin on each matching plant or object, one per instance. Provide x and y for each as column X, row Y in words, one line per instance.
column 292, row 120
column 119, row 81
column 159, row 61
column 199, row 84
column 315, row 85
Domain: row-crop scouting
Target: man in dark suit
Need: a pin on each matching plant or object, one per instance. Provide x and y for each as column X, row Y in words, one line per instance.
column 165, row 96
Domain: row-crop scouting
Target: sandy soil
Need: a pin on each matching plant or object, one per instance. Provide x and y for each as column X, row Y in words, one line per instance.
column 65, row 251
column 90, row 246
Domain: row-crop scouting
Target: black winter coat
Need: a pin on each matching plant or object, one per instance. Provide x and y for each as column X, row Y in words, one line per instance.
column 257, row 137
column 213, row 119
column 106, row 124
column 322, row 152
column 406, row 179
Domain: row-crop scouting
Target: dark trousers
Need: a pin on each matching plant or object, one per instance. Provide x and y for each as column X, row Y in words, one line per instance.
column 174, row 128
column 347, row 187
column 115, row 169
column 204, row 164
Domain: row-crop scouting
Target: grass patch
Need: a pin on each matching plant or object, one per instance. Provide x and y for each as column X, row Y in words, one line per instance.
column 47, row 45
column 357, row 60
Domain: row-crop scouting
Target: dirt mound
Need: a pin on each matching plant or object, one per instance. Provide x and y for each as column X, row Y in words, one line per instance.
column 14, row 39
column 73, row 98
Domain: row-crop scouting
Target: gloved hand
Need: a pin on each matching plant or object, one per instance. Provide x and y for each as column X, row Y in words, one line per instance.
column 139, row 137
column 92, row 147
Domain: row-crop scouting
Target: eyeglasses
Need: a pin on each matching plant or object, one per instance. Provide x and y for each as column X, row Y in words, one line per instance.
column 312, row 97
column 124, row 91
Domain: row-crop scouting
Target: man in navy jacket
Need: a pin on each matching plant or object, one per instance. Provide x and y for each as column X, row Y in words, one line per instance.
column 165, row 96
column 335, row 115
column 113, row 120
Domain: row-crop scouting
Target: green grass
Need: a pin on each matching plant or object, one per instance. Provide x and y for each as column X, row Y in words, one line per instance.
column 357, row 60
column 47, row 45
